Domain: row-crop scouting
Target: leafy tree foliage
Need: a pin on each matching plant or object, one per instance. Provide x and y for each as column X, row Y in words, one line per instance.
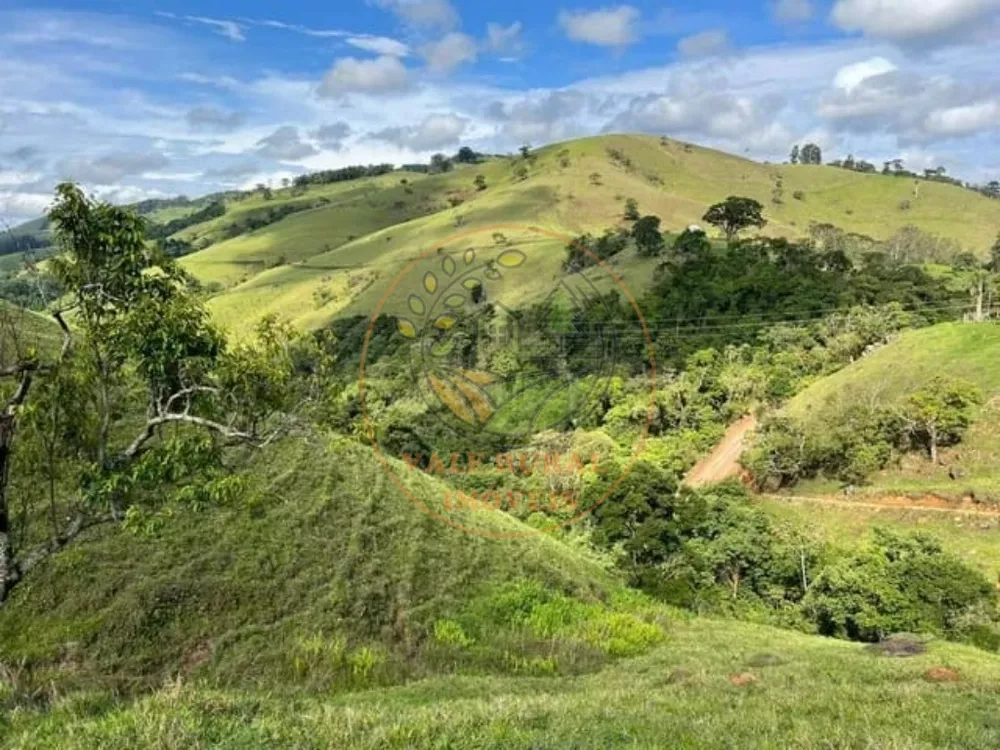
column 811, row 154
column 897, row 584
column 938, row 414
column 440, row 163
column 612, row 242
column 344, row 174
column 631, row 209
column 734, row 215
column 142, row 343
column 646, row 233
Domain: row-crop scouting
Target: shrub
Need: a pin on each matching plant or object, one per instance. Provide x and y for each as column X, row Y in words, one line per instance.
column 897, row 583
column 450, row 633
column 799, row 195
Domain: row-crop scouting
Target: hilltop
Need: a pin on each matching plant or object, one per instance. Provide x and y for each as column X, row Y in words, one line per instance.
column 318, row 251
column 334, row 259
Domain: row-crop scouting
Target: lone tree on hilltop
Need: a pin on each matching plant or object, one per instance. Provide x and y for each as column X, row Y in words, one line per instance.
column 735, row 214
column 811, row 154
column 466, row 155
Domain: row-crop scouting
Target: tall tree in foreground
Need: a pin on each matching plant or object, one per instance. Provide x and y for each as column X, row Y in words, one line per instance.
column 144, row 357
column 735, row 214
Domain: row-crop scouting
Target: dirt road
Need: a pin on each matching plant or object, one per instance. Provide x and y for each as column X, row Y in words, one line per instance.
column 724, row 460
column 929, row 503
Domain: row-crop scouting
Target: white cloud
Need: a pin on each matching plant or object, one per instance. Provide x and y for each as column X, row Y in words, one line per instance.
column 850, row 76
column 229, row 29
column 111, row 168
column 911, row 20
column 16, row 207
column 608, row 27
column 212, row 118
column 911, row 106
column 422, row 13
column 704, row 44
column 331, row 136
column 285, row 144
column 449, row 52
column 382, row 75
column 10, row 178
column 504, row 40
column 965, row 119
column 792, row 11
column 436, row 131
column 380, row 45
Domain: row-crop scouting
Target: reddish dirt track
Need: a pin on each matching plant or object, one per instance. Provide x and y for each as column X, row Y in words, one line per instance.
column 724, row 460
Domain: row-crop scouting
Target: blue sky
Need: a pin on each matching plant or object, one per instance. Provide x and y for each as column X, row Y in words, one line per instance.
column 138, row 100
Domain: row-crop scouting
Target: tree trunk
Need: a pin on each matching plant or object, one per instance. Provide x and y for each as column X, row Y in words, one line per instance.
column 932, row 434
column 8, row 571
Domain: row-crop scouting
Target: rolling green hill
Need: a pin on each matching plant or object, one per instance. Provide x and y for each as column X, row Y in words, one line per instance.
column 335, row 258
column 322, row 549
column 887, row 375
column 324, row 610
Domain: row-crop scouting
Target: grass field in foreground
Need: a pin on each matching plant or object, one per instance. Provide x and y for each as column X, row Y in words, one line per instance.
column 806, row 692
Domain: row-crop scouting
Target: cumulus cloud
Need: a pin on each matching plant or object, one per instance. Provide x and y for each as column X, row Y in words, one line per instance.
column 285, row 144
column 232, row 172
column 608, row 27
column 211, row 118
column 449, row 52
column 436, row 131
column 792, row 11
column 504, row 40
column 380, row 45
column 909, row 21
column 543, row 116
column 912, row 107
column 422, row 13
column 704, row 44
column 16, row 207
column 966, row 119
column 705, row 107
column 851, row 76
column 383, row 75
column 113, row 167
column 332, row 135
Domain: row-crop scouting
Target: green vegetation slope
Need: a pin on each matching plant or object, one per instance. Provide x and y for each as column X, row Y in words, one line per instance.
column 313, row 265
column 890, row 374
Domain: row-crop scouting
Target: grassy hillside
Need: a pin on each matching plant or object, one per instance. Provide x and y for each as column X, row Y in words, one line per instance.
column 798, row 692
column 315, row 265
column 321, row 549
column 888, row 375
